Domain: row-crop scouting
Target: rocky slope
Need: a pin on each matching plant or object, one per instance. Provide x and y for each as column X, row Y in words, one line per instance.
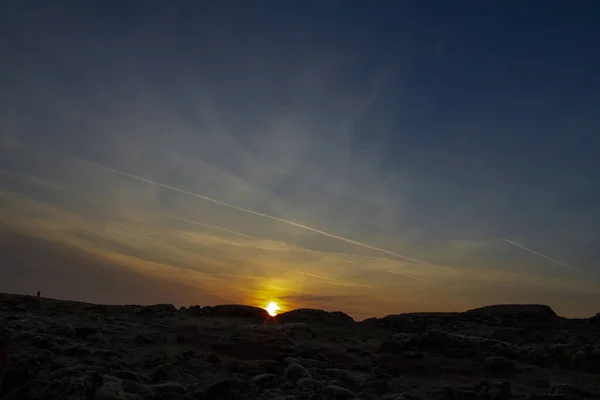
column 53, row 349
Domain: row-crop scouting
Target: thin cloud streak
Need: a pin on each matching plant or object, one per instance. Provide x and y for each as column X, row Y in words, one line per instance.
column 332, row 280
column 308, row 228
column 206, row 225
column 542, row 255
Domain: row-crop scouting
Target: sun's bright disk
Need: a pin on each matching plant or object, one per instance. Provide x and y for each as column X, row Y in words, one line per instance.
column 272, row 308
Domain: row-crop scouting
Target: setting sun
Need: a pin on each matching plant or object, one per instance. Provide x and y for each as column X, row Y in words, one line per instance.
column 272, row 308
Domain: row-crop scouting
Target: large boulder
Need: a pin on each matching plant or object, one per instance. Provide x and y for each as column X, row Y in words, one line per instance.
column 310, row 315
column 157, row 310
column 517, row 311
column 236, row 311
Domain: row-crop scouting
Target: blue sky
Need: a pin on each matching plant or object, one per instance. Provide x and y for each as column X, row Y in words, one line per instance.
column 346, row 155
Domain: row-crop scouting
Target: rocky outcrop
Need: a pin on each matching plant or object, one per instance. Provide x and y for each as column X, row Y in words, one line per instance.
column 512, row 311
column 309, row 315
column 236, row 311
column 69, row 350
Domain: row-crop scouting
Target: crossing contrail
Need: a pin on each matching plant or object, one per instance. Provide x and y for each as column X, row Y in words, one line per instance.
column 542, row 255
column 259, row 214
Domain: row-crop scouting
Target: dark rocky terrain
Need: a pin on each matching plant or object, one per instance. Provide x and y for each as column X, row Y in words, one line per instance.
column 52, row 349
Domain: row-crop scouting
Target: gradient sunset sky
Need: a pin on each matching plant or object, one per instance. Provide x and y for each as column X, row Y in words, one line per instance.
column 373, row 157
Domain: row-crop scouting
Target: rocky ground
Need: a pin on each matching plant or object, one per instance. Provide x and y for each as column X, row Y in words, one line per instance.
column 54, row 349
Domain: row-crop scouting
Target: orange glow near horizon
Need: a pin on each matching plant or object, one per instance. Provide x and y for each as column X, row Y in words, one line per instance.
column 272, row 308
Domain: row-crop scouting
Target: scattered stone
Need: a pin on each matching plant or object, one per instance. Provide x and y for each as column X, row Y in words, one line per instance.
column 168, row 387
column 219, row 391
column 84, row 331
column 376, row 386
column 69, row 331
column 343, row 375
column 310, row 383
column 570, row 391
column 294, row 371
column 499, row 364
column 77, row 350
column 213, row 358
column 266, row 381
column 338, row 392
column 496, row 391
column 579, row 358
column 163, row 372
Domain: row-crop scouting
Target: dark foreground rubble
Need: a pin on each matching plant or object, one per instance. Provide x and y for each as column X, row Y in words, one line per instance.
column 53, row 350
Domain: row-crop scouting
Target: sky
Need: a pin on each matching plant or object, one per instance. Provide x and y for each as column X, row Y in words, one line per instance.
column 368, row 157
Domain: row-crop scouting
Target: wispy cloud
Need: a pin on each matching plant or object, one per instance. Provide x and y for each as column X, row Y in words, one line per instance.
column 291, row 223
column 207, row 225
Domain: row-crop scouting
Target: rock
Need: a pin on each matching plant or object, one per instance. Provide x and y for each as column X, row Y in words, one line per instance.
column 18, row 375
column 294, row 371
column 338, row 392
column 130, row 376
column 157, row 310
column 513, row 311
column 399, row 342
column 222, row 390
column 68, row 331
column 499, row 364
column 77, row 350
column 296, row 330
column 213, row 359
column 414, row 355
column 497, row 391
column 168, row 387
column 376, row 386
column 163, row 372
column 579, row 358
column 266, row 381
column 343, row 375
column 43, row 341
column 309, row 383
column 309, row 315
column 505, row 334
column 195, row 311
column 385, row 371
column 4, row 356
column 67, row 383
column 237, row 311
column 150, row 339
column 111, row 389
column 84, row 331
column 570, row 391
column 323, row 358
column 306, row 362
column 253, row 367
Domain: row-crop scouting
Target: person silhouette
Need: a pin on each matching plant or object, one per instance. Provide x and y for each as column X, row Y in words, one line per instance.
column 39, row 293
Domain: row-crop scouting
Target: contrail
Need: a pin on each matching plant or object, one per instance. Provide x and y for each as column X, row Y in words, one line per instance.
column 542, row 255
column 206, row 225
column 308, row 228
